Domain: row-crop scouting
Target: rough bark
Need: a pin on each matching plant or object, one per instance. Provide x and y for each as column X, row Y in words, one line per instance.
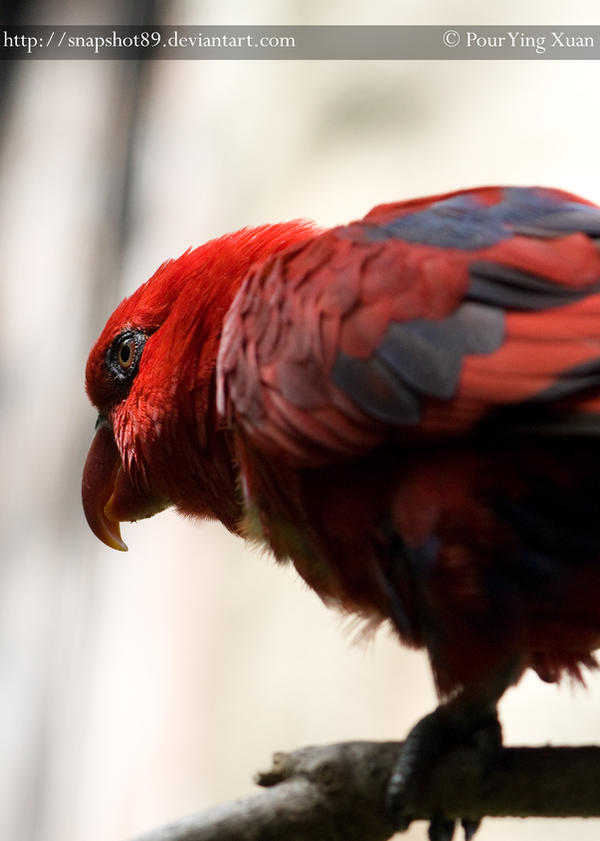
column 336, row 793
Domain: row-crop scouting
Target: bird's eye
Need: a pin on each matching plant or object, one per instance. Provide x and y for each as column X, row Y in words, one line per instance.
column 126, row 353
column 123, row 355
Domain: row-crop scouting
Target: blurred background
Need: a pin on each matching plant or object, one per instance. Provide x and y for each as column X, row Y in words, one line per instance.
column 136, row 688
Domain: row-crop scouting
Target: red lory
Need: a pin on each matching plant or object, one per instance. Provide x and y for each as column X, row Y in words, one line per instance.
column 407, row 407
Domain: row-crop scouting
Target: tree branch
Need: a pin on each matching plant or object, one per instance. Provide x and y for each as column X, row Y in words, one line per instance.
column 336, row 793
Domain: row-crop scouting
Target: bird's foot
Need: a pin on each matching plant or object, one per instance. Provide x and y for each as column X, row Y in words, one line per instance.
column 450, row 726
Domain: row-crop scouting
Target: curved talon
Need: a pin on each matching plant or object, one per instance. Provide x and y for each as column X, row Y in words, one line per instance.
column 420, row 751
column 470, row 827
column 441, row 828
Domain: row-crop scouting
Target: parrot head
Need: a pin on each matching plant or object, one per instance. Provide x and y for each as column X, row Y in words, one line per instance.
column 151, row 376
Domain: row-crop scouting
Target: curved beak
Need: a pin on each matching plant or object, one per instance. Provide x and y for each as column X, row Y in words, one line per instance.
column 107, row 494
column 102, row 465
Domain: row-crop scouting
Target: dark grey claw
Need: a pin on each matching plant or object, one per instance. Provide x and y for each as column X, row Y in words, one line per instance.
column 470, row 827
column 420, row 751
column 448, row 727
column 441, row 828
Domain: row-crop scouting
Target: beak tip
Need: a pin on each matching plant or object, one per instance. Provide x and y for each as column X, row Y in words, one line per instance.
column 111, row 532
column 117, row 543
column 108, row 532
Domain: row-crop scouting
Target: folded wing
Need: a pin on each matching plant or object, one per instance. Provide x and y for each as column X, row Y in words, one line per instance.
column 464, row 313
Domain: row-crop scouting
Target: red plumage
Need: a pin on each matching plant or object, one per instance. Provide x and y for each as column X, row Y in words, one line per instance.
column 407, row 407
